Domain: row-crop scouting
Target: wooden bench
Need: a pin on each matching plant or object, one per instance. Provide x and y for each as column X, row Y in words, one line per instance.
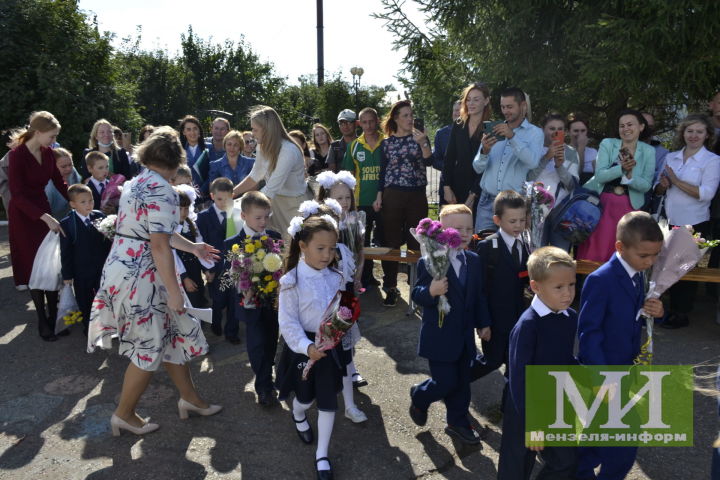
column 697, row 274
column 407, row 256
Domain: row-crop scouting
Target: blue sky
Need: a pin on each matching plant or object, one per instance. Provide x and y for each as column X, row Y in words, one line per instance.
column 280, row 31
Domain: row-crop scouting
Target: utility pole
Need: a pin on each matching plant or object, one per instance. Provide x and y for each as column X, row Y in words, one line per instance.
column 320, row 45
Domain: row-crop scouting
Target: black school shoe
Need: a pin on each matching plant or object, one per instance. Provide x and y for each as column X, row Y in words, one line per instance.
column 268, row 399
column 675, row 320
column 306, row 436
column 391, row 297
column 466, row 435
column 233, row 340
column 418, row 416
column 324, row 474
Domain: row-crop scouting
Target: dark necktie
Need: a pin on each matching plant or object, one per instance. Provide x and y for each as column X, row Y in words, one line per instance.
column 463, row 269
column 88, row 222
column 102, row 187
column 516, row 252
column 224, row 220
column 639, row 288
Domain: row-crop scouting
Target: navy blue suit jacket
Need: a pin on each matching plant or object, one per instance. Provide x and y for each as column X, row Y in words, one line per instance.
column 504, row 289
column 608, row 331
column 83, row 250
column 97, row 197
column 468, row 311
column 212, row 232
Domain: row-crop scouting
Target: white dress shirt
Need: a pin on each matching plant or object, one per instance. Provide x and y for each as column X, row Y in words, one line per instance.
column 701, row 170
column 98, row 184
column 510, row 241
column 630, row 270
column 288, row 178
column 542, row 309
column 455, row 261
column 305, row 293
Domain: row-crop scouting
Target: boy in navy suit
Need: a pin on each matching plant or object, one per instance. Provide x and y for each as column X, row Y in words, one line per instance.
column 450, row 349
column 544, row 335
column 609, row 329
column 261, row 324
column 215, row 226
column 83, row 250
column 98, row 167
column 504, row 256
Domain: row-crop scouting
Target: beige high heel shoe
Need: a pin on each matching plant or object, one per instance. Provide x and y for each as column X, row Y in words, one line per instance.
column 117, row 424
column 184, row 408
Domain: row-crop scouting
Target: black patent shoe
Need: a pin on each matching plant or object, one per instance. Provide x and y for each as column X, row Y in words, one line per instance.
column 49, row 338
column 466, row 435
column 419, row 417
column 306, row 436
column 324, row 474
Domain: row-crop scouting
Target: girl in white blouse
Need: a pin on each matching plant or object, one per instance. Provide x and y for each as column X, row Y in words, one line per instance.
column 689, row 182
column 306, row 290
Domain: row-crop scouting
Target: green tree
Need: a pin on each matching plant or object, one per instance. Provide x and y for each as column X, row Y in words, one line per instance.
column 591, row 57
column 54, row 58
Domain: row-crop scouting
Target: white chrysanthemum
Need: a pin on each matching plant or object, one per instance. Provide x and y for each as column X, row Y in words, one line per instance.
column 308, row 207
column 296, row 224
column 257, row 267
column 272, row 262
column 334, row 205
column 347, row 178
column 326, row 179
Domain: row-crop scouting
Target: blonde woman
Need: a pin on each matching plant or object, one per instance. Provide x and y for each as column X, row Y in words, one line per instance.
column 102, row 140
column 321, row 140
column 280, row 164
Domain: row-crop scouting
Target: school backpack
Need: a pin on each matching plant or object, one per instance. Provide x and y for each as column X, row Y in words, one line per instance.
column 575, row 218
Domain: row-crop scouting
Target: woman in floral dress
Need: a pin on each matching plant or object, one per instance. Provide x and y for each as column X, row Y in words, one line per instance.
column 140, row 299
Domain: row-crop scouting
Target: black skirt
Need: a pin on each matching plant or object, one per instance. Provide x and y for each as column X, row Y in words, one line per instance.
column 323, row 383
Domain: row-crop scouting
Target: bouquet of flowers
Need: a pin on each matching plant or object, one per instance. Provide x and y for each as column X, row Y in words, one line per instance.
column 255, row 268
column 106, row 226
column 435, row 245
column 352, row 234
column 111, row 194
column 540, row 202
column 680, row 253
column 336, row 322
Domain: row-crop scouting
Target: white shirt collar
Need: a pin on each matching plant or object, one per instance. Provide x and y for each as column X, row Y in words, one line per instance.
column 306, row 271
column 81, row 217
column 97, row 183
column 542, row 309
column 630, row 270
column 250, row 232
column 509, row 239
column 218, row 212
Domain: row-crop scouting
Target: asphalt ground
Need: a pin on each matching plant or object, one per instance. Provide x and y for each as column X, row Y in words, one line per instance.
column 56, row 401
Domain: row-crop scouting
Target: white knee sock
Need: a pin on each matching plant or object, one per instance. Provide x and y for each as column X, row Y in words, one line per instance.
column 325, row 427
column 299, row 412
column 351, row 370
column 347, row 392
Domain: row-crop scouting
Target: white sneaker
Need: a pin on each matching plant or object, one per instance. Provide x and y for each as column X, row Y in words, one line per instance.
column 22, row 288
column 355, row 415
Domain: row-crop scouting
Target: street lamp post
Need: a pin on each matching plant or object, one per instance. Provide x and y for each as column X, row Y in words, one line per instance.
column 357, row 73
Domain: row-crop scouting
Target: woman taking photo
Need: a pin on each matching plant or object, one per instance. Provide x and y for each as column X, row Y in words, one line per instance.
column 280, row 163
column 689, row 182
column 462, row 183
column 32, row 165
column 405, row 154
column 140, row 298
column 624, row 171
column 103, row 140
column 250, row 144
column 321, row 140
column 198, row 158
column 232, row 164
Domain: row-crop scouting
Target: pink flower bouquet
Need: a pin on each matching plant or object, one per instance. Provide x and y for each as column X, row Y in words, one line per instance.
column 436, row 243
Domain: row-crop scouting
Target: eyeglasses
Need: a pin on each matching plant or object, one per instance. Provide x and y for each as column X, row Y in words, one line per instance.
column 252, row 140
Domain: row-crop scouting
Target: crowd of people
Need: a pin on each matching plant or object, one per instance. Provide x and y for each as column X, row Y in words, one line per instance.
column 184, row 200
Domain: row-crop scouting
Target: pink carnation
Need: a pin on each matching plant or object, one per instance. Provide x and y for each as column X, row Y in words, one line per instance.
column 344, row 313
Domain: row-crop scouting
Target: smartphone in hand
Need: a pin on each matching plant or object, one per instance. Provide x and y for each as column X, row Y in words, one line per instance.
column 419, row 124
column 558, row 137
column 488, row 129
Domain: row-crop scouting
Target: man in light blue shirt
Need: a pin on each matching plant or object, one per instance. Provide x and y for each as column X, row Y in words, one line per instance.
column 504, row 164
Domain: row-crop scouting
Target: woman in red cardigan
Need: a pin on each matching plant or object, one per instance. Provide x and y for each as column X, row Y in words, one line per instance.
column 32, row 165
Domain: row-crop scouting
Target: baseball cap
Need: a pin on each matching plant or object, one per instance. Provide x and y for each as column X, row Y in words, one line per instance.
column 347, row 115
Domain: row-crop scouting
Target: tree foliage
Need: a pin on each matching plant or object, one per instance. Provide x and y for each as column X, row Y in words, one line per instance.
column 570, row 56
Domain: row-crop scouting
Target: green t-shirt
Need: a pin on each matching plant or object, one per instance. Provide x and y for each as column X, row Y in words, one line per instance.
column 364, row 163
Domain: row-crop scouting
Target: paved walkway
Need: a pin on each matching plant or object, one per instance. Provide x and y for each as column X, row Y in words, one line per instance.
column 56, row 401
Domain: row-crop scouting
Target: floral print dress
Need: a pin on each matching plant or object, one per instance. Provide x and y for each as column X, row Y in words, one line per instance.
column 131, row 303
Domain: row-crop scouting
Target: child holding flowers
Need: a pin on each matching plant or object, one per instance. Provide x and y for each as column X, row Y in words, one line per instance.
column 257, row 308
column 340, row 188
column 310, row 285
column 449, row 345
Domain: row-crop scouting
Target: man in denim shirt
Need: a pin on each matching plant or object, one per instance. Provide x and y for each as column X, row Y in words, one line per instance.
column 504, row 164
